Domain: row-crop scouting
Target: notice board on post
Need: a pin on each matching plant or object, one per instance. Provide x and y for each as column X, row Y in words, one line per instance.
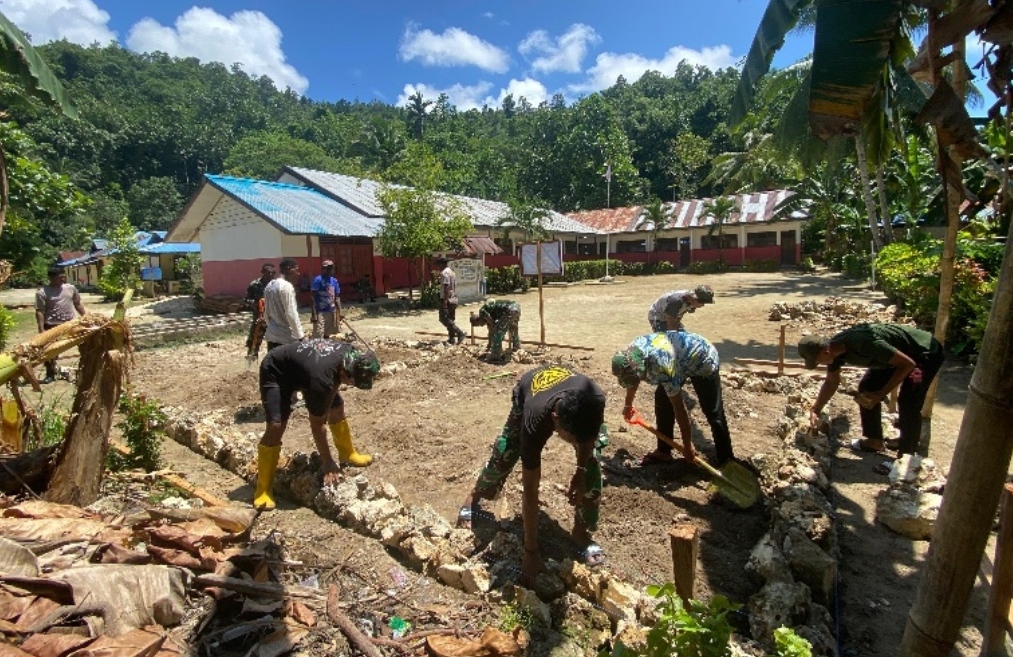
column 552, row 259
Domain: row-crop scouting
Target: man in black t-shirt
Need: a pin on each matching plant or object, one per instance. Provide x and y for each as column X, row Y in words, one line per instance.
column 547, row 400
column 896, row 355
column 317, row 368
column 254, row 295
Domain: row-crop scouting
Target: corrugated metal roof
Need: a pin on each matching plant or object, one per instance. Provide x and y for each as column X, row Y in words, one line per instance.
column 297, row 209
column 360, row 194
column 754, row 208
column 170, row 247
column 477, row 244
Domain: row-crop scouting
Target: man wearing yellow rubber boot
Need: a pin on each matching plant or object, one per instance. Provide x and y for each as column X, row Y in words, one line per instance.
column 317, row 368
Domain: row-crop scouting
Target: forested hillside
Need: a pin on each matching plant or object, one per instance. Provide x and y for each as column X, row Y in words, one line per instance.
column 152, row 125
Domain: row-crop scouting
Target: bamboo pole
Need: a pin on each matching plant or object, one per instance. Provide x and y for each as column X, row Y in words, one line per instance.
column 997, row 622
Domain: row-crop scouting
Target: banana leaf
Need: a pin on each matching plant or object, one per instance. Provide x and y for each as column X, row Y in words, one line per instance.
column 19, row 58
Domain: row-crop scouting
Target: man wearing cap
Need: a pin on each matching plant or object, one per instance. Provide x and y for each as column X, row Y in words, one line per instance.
column 896, row 355
column 281, row 311
column 448, row 302
column 56, row 304
column 502, row 317
column 546, row 400
column 254, row 295
column 326, row 301
column 317, row 368
column 667, row 311
column 667, row 360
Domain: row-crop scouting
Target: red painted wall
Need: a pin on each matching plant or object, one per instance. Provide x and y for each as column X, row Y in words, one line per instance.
column 733, row 257
column 763, row 252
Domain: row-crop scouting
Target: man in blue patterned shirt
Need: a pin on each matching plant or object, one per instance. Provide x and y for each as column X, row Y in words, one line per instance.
column 666, row 360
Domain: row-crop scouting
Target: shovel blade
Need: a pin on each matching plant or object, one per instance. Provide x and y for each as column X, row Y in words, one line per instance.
column 738, row 484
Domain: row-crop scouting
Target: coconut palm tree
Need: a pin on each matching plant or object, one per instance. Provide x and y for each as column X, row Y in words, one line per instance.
column 418, row 112
column 526, row 216
column 720, row 210
column 653, row 218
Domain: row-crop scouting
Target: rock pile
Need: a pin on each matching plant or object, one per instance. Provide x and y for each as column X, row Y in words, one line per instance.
column 833, row 314
column 795, row 563
column 911, row 504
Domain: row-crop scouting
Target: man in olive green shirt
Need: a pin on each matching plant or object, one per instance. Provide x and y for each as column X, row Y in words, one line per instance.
column 896, row 355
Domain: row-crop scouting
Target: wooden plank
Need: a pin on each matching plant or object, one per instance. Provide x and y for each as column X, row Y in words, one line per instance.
column 532, row 342
column 789, row 364
column 780, row 351
column 178, row 482
column 997, row 620
column 685, row 541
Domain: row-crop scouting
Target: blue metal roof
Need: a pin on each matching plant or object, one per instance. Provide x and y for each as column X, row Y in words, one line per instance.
column 296, row 209
column 170, row 247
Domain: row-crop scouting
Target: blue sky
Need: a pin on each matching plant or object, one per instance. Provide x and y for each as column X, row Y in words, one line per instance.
column 475, row 51
column 385, row 50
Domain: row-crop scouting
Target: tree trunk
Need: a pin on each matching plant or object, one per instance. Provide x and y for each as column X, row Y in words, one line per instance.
column 952, row 199
column 870, row 204
column 884, row 206
column 4, row 189
column 411, row 285
column 77, row 476
column 971, row 496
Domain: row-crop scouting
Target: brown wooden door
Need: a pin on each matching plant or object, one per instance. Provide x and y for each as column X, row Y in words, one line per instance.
column 684, row 255
column 788, row 247
column 353, row 259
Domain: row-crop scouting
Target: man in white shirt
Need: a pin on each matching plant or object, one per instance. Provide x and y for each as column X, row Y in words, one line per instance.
column 667, row 311
column 448, row 302
column 281, row 311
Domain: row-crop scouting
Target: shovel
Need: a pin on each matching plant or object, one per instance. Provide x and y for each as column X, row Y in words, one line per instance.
column 734, row 481
column 352, row 331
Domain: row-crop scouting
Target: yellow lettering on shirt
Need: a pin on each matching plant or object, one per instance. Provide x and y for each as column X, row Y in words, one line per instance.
column 549, row 378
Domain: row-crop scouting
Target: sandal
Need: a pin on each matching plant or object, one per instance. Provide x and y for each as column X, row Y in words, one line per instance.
column 656, row 458
column 862, row 445
column 593, row 555
column 464, row 517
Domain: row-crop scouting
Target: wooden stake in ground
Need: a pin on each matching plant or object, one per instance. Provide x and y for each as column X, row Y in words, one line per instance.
column 541, row 300
column 685, row 549
column 997, row 622
column 780, row 352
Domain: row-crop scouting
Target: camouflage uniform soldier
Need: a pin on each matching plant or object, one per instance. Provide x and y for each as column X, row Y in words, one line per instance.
column 502, row 317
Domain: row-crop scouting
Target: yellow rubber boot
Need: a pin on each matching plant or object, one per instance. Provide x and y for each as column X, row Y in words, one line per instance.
column 342, row 435
column 267, row 466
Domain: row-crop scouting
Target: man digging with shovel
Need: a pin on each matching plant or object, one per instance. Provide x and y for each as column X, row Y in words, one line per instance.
column 546, row 400
column 317, row 368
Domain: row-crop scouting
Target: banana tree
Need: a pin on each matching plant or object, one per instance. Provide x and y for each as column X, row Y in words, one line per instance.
column 20, row 59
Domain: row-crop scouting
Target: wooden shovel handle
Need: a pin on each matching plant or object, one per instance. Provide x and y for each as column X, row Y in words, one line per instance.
column 639, row 420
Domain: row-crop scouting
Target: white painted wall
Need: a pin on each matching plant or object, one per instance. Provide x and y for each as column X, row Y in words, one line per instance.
column 294, row 246
column 233, row 232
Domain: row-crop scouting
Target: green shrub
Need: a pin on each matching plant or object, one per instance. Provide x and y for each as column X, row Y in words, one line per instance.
column 764, row 265
column 191, row 276
column 807, row 265
column 707, row 267
column 856, row 265
column 789, row 644
column 143, row 427
column 52, row 424
column 505, row 280
column 429, row 295
column 6, row 326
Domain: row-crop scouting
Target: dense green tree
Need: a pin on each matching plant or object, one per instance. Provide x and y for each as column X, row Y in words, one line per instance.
column 153, row 203
column 263, row 154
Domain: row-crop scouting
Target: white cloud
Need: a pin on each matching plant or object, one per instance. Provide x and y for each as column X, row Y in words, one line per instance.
column 609, row 66
column 532, row 90
column 476, row 96
column 564, row 54
column 454, row 47
column 248, row 38
column 77, row 21
column 463, row 97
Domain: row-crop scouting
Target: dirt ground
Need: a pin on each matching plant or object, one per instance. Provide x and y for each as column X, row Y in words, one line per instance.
column 430, row 428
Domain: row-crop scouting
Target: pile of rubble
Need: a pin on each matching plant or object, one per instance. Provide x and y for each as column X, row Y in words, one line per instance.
column 795, row 563
column 79, row 582
column 433, row 350
column 833, row 314
column 911, row 504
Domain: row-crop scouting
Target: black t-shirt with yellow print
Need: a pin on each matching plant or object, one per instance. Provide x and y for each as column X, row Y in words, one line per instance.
column 537, row 392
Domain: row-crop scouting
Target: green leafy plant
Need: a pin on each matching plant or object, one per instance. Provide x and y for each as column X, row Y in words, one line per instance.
column 807, row 266
column 191, row 275
column 699, row 630
column 124, row 269
column 706, row 267
column 789, row 644
column 6, row 326
column 143, row 427
column 505, row 280
column 52, row 424
column 765, row 265
column 512, row 615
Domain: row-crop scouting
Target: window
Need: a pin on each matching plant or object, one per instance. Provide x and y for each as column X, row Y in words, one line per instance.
column 630, row 246
column 711, row 242
column 667, row 244
column 762, row 239
column 587, row 248
column 570, row 248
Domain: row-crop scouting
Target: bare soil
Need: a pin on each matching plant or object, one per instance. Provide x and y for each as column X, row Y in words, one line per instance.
column 431, row 426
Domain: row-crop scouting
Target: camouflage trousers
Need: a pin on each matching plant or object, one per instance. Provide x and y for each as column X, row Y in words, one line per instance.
column 500, row 329
column 506, row 451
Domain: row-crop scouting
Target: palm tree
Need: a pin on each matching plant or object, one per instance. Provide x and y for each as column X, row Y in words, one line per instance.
column 720, row 210
column 527, row 217
column 418, row 112
column 653, row 218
